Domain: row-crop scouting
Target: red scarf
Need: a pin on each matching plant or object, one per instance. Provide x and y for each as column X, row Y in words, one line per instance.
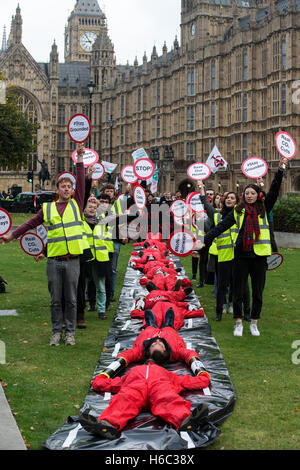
column 251, row 225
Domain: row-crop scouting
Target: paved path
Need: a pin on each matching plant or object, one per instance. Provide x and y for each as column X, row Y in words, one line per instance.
column 10, row 436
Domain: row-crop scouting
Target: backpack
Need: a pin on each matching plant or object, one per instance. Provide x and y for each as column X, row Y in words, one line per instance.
column 2, row 285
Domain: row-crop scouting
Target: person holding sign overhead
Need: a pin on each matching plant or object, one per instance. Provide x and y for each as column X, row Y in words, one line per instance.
column 65, row 243
column 252, row 246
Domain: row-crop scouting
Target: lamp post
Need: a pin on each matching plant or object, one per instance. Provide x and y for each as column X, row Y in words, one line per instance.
column 91, row 88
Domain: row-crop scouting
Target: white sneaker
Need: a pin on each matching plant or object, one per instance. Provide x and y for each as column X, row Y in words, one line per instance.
column 224, row 309
column 238, row 330
column 55, row 339
column 230, row 310
column 253, row 329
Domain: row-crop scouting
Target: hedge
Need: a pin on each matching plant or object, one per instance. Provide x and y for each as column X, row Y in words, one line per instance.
column 286, row 213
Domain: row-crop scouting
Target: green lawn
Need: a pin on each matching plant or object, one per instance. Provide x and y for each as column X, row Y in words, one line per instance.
column 45, row 385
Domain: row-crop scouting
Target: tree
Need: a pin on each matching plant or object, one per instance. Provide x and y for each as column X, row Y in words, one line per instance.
column 17, row 134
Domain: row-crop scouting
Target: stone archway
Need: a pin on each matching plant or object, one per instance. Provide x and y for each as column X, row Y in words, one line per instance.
column 185, row 187
column 296, row 183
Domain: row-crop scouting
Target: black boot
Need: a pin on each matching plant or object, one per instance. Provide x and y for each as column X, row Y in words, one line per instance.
column 150, row 286
column 201, row 284
column 218, row 317
column 177, row 286
column 169, row 318
column 188, row 290
column 150, row 318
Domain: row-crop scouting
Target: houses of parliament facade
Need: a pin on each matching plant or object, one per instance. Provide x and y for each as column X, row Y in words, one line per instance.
column 231, row 79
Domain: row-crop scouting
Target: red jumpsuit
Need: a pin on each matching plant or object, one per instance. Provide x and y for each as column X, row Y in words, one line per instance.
column 154, row 243
column 163, row 278
column 179, row 351
column 148, row 386
column 160, row 301
column 149, row 253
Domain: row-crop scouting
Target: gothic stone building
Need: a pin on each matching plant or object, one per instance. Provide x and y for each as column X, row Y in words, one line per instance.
column 233, row 80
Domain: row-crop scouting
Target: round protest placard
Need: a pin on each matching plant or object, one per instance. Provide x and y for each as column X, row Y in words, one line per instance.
column 5, row 222
column 32, row 244
column 179, row 220
column 67, row 174
column 144, row 169
column 140, row 197
column 90, row 157
column 127, row 174
column 274, row 261
column 254, row 167
column 181, row 244
column 285, row 145
column 79, row 128
column 42, row 232
column 179, row 208
column 98, row 172
column 194, row 202
column 198, row 171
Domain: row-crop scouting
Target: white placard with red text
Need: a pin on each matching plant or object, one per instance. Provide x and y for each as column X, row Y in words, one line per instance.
column 144, row 169
column 98, row 173
column 5, row 222
column 90, row 157
column 139, row 196
column 285, row 145
column 254, row 167
column 181, row 244
column 32, row 244
column 79, row 128
column 179, row 208
column 274, row 261
column 127, row 174
column 199, row 171
column 194, row 202
column 42, row 232
column 67, row 174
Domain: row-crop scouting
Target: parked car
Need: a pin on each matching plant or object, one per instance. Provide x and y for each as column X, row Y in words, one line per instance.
column 27, row 202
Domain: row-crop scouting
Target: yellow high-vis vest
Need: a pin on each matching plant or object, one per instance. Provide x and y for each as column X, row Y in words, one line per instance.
column 262, row 247
column 96, row 241
column 225, row 242
column 107, row 232
column 65, row 234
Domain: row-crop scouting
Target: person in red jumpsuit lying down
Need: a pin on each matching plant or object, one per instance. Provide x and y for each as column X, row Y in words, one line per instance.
column 160, row 301
column 150, row 254
column 172, row 347
column 153, row 241
column 146, row 386
column 163, row 278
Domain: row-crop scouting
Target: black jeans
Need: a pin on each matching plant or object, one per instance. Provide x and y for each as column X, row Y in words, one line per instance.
column 202, row 265
column 225, row 283
column 243, row 267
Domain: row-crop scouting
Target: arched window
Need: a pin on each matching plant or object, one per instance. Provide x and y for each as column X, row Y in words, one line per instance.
column 28, row 108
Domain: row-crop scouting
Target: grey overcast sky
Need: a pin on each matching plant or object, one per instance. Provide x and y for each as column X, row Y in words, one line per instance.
column 134, row 26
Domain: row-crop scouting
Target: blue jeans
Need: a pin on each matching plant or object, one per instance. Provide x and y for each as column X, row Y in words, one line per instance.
column 117, row 247
column 100, row 288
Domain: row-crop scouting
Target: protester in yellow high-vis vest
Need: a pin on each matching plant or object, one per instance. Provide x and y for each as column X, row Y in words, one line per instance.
column 225, row 252
column 65, row 244
column 98, row 268
column 252, row 246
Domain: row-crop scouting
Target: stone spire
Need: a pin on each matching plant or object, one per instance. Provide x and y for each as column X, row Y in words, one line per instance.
column 15, row 36
column 4, row 43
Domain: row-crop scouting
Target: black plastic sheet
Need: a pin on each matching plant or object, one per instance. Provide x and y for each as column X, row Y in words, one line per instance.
column 147, row 432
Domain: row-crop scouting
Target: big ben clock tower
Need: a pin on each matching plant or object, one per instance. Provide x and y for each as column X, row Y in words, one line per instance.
column 85, row 23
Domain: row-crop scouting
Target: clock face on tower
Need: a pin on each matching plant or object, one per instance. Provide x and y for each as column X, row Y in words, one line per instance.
column 87, row 40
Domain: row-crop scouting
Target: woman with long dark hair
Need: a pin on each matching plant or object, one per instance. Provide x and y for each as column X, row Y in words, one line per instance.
column 251, row 244
column 225, row 255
